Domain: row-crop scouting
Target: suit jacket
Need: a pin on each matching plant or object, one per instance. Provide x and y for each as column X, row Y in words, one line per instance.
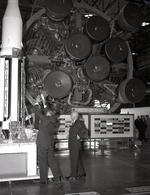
column 78, row 128
column 48, row 126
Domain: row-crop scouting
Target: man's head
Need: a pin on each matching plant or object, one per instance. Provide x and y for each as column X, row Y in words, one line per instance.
column 47, row 111
column 74, row 115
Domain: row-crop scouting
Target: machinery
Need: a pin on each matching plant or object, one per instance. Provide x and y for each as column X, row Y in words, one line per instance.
column 72, row 54
column 79, row 54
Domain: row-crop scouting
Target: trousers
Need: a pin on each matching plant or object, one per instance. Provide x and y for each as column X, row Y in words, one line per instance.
column 76, row 160
column 46, row 158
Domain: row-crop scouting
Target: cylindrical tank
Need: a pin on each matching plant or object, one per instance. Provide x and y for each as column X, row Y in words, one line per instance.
column 57, row 10
column 130, row 17
column 78, row 46
column 97, row 68
column 97, row 28
column 11, row 28
column 131, row 91
column 116, row 49
column 57, row 84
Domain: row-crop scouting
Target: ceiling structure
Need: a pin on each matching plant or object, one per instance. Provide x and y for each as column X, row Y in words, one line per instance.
column 139, row 40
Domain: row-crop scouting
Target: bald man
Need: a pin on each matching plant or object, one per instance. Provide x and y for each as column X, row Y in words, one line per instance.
column 77, row 131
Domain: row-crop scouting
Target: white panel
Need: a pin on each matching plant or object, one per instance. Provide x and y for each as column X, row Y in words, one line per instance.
column 13, row 165
column 112, row 126
column 136, row 111
column 28, row 148
column 7, row 88
column 1, row 88
column 14, row 89
column 90, row 110
column 32, row 159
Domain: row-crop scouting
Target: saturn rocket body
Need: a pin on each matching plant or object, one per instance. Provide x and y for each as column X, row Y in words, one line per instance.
column 10, row 57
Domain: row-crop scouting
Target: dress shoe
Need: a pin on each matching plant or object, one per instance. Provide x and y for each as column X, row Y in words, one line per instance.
column 71, row 178
column 82, row 175
column 57, row 179
column 44, row 182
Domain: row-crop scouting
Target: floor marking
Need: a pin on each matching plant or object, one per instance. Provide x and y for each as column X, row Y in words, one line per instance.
column 139, row 189
column 141, row 193
column 83, row 193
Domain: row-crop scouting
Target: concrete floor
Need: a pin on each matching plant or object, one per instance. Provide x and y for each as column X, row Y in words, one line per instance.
column 111, row 171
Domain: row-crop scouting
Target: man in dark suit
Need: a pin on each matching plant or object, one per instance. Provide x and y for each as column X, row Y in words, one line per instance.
column 48, row 126
column 77, row 131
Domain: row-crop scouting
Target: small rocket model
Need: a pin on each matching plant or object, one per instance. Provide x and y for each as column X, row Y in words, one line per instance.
column 11, row 29
column 10, row 62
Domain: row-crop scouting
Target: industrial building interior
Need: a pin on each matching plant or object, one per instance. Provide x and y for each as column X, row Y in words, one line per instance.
column 89, row 55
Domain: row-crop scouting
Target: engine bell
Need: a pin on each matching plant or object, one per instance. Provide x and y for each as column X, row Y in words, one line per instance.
column 97, row 68
column 57, row 84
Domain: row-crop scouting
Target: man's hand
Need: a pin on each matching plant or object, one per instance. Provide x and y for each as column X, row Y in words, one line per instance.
column 38, row 99
column 78, row 137
column 44, row 93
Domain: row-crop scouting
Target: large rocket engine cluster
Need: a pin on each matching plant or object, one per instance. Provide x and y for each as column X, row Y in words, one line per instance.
column 79, row 54
column 74, row 54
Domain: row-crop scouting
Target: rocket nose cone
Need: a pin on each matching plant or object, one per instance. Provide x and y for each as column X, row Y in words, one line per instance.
column 11, row 27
